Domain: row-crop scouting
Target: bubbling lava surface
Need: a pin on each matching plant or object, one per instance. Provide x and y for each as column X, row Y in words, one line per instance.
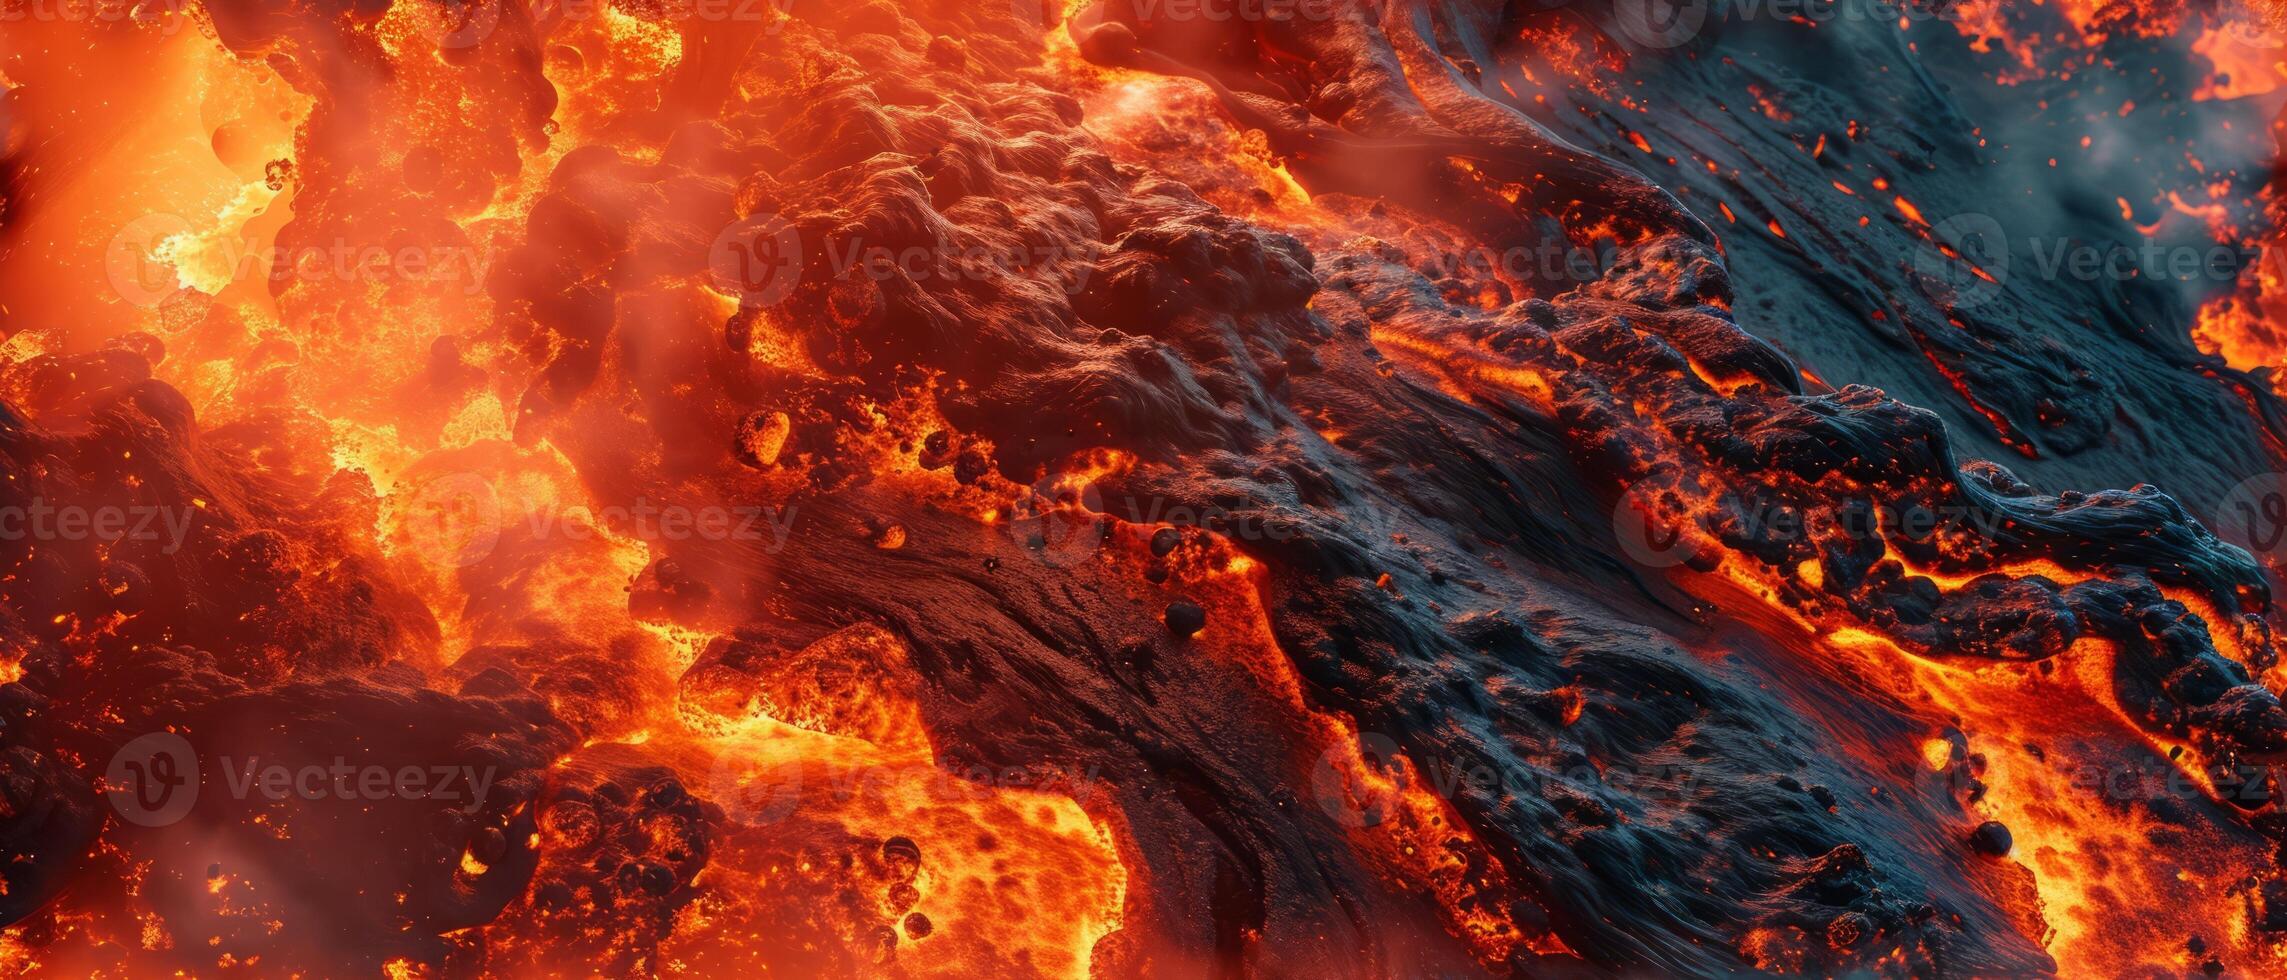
column 1234, row 584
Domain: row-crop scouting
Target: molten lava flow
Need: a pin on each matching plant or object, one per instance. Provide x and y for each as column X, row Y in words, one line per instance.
column 958, row 490
column 379, row 366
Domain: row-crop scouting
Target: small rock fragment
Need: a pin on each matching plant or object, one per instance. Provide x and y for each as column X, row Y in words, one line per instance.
column 1185, row 619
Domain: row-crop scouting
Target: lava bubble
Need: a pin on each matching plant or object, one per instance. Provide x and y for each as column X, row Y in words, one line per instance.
column 970, row 466
column 572, row 823
column 918, row 925
column 903, row 897
column 1849, row 929
column 1185, row 619
column 490, row 845
column 903, row 857
column 1991, row 838
column 651, row 876
column 937, row 450
column 1164, row 540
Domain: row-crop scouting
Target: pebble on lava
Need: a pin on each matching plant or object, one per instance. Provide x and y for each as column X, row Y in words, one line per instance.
column 1185, row 619
column 1991, row 838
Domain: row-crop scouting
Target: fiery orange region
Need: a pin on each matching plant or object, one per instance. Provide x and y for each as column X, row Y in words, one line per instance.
column 1015, row 873
column 2247, row 59
column 1173, row 120
column 867, row 767
column 1177, row 126
column 1419, row 840
column 2229, row 327
column 2010, row 715
column 2240, row 40
column 1567, row 52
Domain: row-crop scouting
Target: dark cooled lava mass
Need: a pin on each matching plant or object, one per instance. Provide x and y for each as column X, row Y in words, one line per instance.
column 1141, row 488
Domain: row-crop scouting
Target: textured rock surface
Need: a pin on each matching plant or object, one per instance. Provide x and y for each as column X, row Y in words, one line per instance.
column 1388, row 619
